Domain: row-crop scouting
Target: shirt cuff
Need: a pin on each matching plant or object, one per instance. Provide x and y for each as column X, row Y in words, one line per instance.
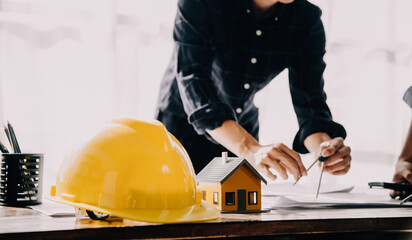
column 408, row 97
column 333, row 129
column 211, row 116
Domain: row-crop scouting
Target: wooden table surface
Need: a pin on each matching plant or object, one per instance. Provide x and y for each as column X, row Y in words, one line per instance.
column 22, row 223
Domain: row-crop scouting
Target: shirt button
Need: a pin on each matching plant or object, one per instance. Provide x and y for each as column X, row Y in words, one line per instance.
column 238, row 110
column 258, row 32
column 253, row 60
column 246, row 86
column 248, row 11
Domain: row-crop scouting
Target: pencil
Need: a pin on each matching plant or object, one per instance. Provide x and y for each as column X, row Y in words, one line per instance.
column 3, row 148
column 6, row 130
column 407, row 199
column 14, row 139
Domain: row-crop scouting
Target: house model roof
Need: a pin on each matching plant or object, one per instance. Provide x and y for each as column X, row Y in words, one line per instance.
column 218, row 170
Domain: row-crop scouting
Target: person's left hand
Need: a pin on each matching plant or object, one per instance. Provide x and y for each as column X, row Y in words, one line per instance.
column 339, row 158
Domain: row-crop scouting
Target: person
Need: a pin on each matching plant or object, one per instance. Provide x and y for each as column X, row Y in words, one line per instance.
column 403, row 168
column 224, row 53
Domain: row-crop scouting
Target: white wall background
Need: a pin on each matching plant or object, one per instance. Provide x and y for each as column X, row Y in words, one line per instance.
column 67, row 66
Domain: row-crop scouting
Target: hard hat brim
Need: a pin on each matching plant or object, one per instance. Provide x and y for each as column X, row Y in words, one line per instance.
column 196, row 213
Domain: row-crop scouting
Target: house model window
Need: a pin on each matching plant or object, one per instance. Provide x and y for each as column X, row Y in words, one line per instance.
column 230, row 198
column 253, row 198
column 215, row 198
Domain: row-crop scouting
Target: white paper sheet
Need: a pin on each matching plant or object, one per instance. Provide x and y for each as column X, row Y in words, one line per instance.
column 282, row 189
column 360, row 196
column 54, row 209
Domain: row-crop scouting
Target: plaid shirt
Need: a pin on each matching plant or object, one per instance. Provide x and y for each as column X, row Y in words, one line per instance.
column 224, row 55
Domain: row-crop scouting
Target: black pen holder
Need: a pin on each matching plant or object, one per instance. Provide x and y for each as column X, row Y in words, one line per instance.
column 21, row 179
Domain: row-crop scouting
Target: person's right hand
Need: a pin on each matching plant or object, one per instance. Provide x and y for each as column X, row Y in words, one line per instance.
column 275, row 156
column 403, row 173
column 280, row 158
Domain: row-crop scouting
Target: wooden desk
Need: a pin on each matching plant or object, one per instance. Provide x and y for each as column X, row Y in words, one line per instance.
column 356, row 223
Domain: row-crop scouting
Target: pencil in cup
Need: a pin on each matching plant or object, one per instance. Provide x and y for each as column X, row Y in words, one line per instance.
column 6, row 130
column 3, row 148
column 11, row 135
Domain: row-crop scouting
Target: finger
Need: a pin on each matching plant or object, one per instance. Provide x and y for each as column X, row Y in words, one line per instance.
column 276, row 166
column 407, row 175
column 394, row 194
column 296, row 157
column 397, row 178
column 338, row 166
column 404, row 194
column 343, row 153
column 341, row 172
column 268, row 173
column 399, row 194
column 323, row 146
column 335, row 144
column 288, row 170
column 286, row 160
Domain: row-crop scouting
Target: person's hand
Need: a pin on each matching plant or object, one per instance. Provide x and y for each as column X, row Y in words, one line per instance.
column 339, row 158
column 280, row 158
column 275, row 156
column 403, row 173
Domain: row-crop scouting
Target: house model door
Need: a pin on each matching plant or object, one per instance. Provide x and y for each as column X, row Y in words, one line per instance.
column 241, row 200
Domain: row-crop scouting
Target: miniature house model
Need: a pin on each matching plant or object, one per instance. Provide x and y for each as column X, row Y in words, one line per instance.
column 231, row 184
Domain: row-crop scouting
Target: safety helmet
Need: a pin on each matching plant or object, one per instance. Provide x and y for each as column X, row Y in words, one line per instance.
column 135, row 170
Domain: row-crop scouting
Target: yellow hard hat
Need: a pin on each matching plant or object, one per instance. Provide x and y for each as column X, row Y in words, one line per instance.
column 135, row 170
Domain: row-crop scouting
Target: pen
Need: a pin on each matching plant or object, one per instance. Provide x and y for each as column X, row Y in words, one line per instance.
column 407, row 199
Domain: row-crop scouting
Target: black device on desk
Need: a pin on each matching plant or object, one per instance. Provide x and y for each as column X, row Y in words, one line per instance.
column 404, row 186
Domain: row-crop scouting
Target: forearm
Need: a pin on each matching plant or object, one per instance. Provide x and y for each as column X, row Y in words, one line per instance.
column 232, row 136
column 406, row 153
column 313, row 141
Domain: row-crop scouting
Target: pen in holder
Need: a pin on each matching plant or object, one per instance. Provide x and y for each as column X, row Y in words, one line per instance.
column 21, row 179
